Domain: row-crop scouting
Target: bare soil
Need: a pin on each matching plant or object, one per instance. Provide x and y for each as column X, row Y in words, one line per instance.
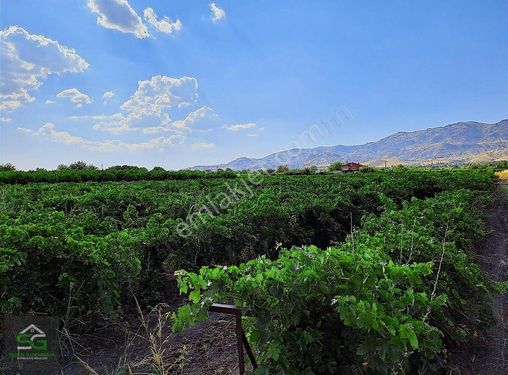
column 208, row 348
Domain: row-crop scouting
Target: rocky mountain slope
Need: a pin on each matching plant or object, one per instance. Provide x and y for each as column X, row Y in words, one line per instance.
column 455, row 143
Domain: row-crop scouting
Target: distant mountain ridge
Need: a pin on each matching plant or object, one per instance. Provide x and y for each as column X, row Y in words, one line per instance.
column 455, row 143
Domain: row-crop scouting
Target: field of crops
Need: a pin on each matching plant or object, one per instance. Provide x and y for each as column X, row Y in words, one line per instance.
column 340, row 273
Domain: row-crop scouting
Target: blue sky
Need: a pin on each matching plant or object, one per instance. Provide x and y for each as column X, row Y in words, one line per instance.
column 179, row 83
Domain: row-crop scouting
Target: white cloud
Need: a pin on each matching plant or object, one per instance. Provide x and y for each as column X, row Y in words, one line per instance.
column 193, row 117
column 75, row 96
column 238, row 127
column 108, row 95
column 164, row 25
column 158, row 143
column 5, row 119
column 118, row 15
column 94, row 117
column 116, row 123
column 119, row 123
column 146, row 111
column 159, row 93
column 202, row 146
column 27, row 60
column 48, row 131
column 150, row 102
column 49, row 101
column 218, row 14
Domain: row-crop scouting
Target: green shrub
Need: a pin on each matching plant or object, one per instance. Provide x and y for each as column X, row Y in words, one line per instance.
column 97, row 242
column 385, row 301
column 44, row 264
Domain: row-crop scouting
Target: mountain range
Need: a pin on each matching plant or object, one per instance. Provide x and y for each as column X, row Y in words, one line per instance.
column 457, row 143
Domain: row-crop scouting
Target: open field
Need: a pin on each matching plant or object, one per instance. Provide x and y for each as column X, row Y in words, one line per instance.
column 502, row 175
column 253, row 188
column 371, row 271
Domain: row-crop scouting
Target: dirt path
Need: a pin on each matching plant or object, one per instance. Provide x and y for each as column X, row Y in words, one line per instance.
column 209, row 348
column 491, row 357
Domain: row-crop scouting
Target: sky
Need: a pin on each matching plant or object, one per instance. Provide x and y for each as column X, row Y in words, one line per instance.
column 178, row 83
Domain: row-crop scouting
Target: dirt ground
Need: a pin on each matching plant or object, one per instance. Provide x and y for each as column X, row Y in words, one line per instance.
column 208, row 348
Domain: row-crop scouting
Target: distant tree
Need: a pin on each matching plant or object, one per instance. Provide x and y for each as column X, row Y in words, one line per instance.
column 127, row 168
column 335, row 166
column 120, row 167
column 7, row 167
column 367, row 168
column 501, row 165
column 81, row 165
column 77, row 165
column 158, row 169
column 312, row 169
column 282, row 169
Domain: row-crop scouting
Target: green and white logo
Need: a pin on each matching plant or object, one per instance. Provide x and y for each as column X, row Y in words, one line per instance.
column 31, row 342
column 32, row 338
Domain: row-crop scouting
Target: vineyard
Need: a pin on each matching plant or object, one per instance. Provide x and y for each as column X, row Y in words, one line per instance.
column 352, row 273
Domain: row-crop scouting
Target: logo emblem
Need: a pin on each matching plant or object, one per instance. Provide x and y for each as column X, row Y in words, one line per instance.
column 32, row 338
column 31, row 343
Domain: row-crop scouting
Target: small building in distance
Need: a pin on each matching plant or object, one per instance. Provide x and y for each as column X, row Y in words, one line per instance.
column 350, row 167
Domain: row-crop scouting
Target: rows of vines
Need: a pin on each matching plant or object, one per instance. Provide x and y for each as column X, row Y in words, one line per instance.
column 95, row 245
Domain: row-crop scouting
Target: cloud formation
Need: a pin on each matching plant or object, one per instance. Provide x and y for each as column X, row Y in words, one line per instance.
column 108, row 95
column 193, row 117
column 5, row 119
column 49, row 131
column 118, row 15
column 75, row 96
column 165, row 25
column 150, row 103
column 218, row 14
column 27, row 60
column 159, row 93
column 238, row 127
column 202, row 146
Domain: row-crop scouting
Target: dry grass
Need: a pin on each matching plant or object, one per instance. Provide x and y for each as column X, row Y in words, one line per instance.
column 151, row 335
column 503, row 175
column 156, row 339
